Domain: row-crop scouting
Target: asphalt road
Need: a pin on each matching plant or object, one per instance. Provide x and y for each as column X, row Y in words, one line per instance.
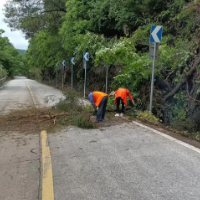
column 125, row 162
column 20, row 154
column 21, row 93
column 19, row 166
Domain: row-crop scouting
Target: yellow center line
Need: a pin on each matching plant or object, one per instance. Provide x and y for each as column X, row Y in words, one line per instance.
column 47, row 173
column 32, row 96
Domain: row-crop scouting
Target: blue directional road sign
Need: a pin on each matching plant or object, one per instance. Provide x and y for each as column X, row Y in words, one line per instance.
column 72, row 61
column 63, row 65
column 85, row 56
column 156, row 34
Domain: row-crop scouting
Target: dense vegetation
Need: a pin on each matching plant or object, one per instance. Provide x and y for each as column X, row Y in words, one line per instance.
column 116, row 34
column 21, row 51
column 11, row 62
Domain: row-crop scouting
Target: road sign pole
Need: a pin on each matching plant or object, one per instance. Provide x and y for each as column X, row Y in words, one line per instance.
column 62, row 80
column 152, row 79
column 155, row 37
column 72, row 61
column 106, row 78
column 72, row 76
column 63, row 72
column 85, row 66
column 56, row 78
column 85, row 59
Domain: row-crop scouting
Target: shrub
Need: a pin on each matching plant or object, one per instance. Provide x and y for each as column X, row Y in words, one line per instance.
column 89, row 107
column 182, row 125
column 83, row 121
column 111, row 104
column 147, row 116
column 70, row 104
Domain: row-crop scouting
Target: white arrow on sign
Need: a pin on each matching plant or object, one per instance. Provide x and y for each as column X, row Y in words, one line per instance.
column 73, row 61
column 63, row 62
column 154, row 33
column 86, row 56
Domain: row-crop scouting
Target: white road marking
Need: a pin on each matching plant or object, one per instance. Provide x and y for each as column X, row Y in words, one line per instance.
column 169, row 137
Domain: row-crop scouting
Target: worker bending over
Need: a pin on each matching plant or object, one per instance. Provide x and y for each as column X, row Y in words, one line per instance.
column 99, row 100
column 121, row 96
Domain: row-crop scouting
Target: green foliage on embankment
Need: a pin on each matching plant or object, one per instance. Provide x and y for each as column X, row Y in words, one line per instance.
column 116, row 34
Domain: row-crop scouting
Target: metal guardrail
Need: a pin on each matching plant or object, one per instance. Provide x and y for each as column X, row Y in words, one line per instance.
column 2, row 81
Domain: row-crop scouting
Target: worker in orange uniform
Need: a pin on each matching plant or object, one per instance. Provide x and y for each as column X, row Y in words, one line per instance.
column 99, row 100
column 121, row 96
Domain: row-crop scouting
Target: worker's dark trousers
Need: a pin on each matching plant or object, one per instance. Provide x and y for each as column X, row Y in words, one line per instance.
column 118, row 104
column 102, row 109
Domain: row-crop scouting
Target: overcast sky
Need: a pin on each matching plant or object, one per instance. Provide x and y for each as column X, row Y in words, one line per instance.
column 15, row 37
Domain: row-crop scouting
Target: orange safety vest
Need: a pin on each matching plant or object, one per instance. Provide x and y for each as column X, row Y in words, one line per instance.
column 122, row 93
column 98, row 96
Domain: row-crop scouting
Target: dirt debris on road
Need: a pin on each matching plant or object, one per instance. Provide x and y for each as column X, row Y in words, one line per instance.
column 29, row 120
column 34, row 120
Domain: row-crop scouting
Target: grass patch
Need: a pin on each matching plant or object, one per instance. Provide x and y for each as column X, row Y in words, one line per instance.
column 147, row 116
column 70, row 104
column 82, row 121
column 78, row 114
column 110, row 105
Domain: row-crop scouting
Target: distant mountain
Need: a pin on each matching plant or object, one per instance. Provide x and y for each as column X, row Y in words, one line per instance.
column 21, row 51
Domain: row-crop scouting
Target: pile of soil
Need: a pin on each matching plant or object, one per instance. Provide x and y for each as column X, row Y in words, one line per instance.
column 25, row 121
column 34, row 120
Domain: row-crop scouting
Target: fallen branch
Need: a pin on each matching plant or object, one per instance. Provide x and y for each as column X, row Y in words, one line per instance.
column 49, row 117
column 191, row 71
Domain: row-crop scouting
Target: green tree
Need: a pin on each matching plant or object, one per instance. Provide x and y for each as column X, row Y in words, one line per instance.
column 10, row 58
column 44, row 52
column 33, row 16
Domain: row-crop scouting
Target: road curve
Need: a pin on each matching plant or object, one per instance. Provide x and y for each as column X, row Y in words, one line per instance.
column 22, row 93
column 125, row 162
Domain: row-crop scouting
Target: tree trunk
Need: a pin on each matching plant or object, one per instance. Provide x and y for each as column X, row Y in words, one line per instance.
column 191, row 71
